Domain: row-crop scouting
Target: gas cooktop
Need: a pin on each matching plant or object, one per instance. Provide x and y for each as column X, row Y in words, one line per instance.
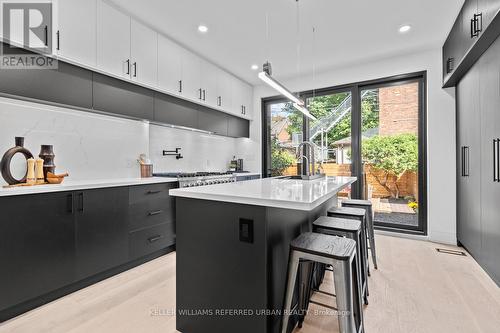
column 192, row 179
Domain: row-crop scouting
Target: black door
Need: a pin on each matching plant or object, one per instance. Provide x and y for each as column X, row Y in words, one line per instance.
column 101, row 230
column 37, row 246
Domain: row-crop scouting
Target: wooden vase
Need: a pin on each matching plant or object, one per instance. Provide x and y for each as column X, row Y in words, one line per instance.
column 47, row 155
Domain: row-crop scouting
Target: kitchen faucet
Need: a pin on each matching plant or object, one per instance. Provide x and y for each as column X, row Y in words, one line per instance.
column 308, row 158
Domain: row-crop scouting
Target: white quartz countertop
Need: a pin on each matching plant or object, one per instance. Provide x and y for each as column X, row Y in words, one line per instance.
column 271, row 192
column 70, row 185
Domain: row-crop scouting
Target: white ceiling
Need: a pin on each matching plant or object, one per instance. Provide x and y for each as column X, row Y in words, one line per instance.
column 347, row 31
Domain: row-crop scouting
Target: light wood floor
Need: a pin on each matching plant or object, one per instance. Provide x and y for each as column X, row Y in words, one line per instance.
column 415, row 289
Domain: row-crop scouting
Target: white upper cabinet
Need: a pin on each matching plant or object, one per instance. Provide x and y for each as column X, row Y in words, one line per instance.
column 113, row 40
column 209, row 83
column 225, row 82
column 143, row 54
column 169, row 66
column 75, row 33
column 191, row 71
column 242, row 99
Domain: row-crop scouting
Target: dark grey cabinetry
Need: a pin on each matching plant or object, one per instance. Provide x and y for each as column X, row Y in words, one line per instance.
column 101, row 230
column 478, row 162
column 123, row 98
column 238, row 128
column 489, row 73
column 469, row 171
column 171, row 110
column 37, row 246
column 68, row 85
column 215, row 122
column 55, row 243
column 475, row 29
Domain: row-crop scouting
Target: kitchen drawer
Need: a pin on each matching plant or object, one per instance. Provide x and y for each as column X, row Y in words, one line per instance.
column 149, row 240
column 147, row 193
column 139, row 219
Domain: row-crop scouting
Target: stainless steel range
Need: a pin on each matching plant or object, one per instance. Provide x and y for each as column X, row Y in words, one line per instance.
column 200, row 178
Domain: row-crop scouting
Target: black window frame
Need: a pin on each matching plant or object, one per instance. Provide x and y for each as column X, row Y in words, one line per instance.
column 356, row 166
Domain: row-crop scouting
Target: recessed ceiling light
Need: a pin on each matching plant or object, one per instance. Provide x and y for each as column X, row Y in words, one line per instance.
column 255, row 67
column 405, row 28
column 202, row 28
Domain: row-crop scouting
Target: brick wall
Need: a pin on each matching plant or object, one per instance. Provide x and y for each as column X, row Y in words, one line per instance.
column 408, row 184
column 398, row 109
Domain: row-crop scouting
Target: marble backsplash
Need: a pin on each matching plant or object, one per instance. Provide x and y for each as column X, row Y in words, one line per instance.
column 86, row 145
column 95, row 146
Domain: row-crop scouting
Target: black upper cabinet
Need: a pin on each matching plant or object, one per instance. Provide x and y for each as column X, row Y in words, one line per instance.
column 101, row 230
column 211, row 121
column 68, row 85
column 123, row 98
column 488, row 8
column 175, row 111
column 37, row 246
column 475, row 29
column 238, row 127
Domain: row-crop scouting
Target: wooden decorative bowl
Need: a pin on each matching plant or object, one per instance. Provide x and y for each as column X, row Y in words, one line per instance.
column 55, row 179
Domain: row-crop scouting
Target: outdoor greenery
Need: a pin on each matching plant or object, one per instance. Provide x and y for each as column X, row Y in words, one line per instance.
column 281, row 159
column 394, row 155
column 322, row 106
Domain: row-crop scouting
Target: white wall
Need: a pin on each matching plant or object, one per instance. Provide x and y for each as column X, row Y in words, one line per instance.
column 86, row 145
column 440, row 130
column 201, row 152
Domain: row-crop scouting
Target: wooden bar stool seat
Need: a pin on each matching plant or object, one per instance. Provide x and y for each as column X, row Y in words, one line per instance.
column 346, row 228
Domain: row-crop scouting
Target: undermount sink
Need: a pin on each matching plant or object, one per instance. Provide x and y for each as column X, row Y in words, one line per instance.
column 304, row 177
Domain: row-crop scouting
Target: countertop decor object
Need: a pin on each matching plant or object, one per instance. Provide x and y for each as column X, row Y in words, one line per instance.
column 56, row 179
column 30, row 176
column 7, row 158
column 47, row 155
column 40, row 179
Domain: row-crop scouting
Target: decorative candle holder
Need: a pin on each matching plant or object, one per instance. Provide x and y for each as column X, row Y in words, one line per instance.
column 47, row 155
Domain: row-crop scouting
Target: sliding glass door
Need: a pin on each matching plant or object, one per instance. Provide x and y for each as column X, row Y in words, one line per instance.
column 373, row 130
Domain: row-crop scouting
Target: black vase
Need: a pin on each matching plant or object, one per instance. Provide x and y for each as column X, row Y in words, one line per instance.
column 7, row 158
column 47, row 155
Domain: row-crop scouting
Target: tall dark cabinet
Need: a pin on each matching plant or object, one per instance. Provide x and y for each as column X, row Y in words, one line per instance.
column 478, row 162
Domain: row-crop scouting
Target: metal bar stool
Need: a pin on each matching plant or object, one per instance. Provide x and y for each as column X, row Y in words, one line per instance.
column 367, row 205
column 340, row 253
column 345, row 228
column 354, row 214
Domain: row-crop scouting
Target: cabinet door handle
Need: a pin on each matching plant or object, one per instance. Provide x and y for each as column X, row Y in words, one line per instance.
column 58, row 40
column 82, row 203
column 128, row 66
column 70, row 203
column 158, row 212
column 46, row 29
column 153, row 192
column 135, row 69
column 496, row 160
column 462, row 163
column 200, row 93
column 180, row 86
column 476, row 25
column 467, row 161
column 450, row 64
column 204, row 95
column 155, row 238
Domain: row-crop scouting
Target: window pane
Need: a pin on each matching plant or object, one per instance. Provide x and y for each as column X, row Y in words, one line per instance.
column 390, row 152
column 286, row 135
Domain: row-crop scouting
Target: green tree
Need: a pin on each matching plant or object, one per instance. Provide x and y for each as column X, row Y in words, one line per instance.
column 322, row 106
column 281, row 159
column 394, row 155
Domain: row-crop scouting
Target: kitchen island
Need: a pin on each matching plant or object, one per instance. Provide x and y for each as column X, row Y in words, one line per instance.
column 232, row 249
